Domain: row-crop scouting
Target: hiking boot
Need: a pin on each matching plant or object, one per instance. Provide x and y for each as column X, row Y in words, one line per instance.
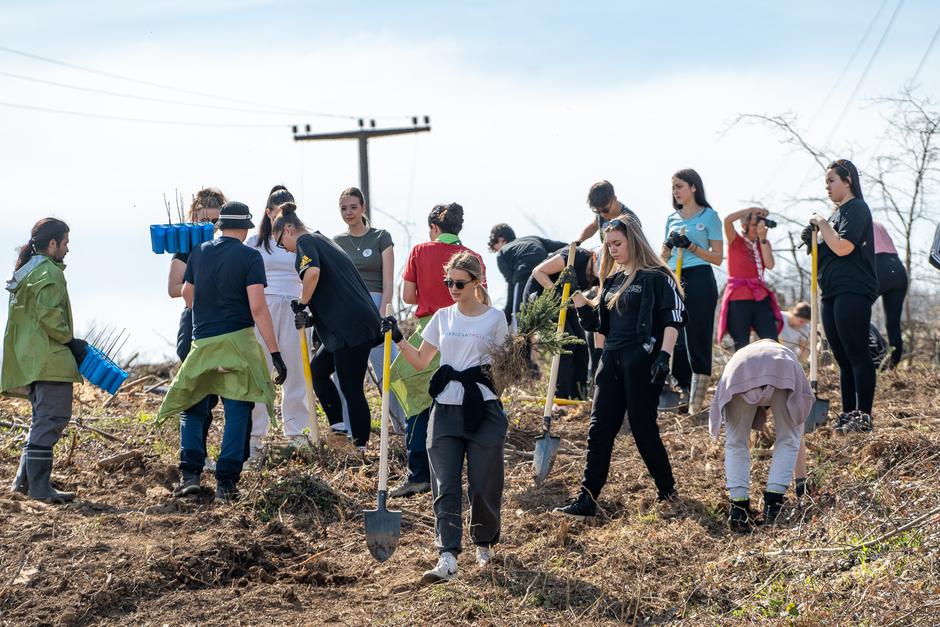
column 740, row 517
column 226, row 494
column 410, row 488
column 20, row 484
column 582, row 508
column 38, row 474
column 860, row 422
column 445, row 570
column 773, row 503
column 484, row 556
column 189, row 484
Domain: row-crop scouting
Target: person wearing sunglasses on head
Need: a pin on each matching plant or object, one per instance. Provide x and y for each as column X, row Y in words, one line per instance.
column 848, row 283
column 335, row 301
column 702, row 247
column 603, row 202
column 639, row 311
column 224, row 286
column 467, row 418
column 422, row 287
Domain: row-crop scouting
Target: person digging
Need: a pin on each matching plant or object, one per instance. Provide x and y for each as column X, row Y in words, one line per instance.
column 40, row 354
column 224, row 286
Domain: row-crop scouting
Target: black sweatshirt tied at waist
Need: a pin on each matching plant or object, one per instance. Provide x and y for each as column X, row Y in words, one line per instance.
column 472, row 396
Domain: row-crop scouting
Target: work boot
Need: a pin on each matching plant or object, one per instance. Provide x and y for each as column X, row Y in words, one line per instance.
column 445, row 570
column 773, row 503
column 409, row 488
column 38, row 473
column 188, row 484
column 740, row 517
column 582, row 508
column 20, row 484
column 697, row 393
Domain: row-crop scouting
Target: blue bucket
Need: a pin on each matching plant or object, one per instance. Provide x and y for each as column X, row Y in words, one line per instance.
column 99, row 373
column 91, row 360
column 158, row 238
column 208, row 231
column 171, row 243
column 115, row 382
column 182, row 238
column 195, row 235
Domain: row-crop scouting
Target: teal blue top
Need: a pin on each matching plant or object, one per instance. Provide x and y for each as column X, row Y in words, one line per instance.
column 700, row 228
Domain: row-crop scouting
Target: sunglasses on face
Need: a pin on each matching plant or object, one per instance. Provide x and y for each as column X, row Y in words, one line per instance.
column 451, row 283
column 279, row 240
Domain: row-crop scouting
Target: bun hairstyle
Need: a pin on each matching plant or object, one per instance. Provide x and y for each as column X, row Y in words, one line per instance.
column 448, row 218
column 848, row 173
column 44, row 233
column 206, row 198
column 286, row 214
column 355, row 192
column 278, row 196
column 691, row 177
column 469, row 263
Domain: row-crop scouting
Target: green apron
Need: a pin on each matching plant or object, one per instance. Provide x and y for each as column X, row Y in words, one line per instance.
column 410, row 386
column 230, row 365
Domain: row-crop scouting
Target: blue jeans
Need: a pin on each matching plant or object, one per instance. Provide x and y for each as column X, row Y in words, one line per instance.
column 416, row 436
column 194, row 429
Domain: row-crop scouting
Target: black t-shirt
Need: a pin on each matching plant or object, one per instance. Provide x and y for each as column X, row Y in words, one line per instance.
column 342, row 309
column 184, row 257
column 221, row 270
column 650, row 304
column 582, row 261
column 516, row 260
column 855, row 272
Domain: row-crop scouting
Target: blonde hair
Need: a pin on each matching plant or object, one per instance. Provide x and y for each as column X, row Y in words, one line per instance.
column 205, row 198
column 642, row 256
column 470, row 263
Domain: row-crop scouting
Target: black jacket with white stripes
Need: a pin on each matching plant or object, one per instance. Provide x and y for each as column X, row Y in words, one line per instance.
column 649, row 305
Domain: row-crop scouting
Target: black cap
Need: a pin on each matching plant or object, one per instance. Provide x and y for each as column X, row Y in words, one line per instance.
column 235, row 215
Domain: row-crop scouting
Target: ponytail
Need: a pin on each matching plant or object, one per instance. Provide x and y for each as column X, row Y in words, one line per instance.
column 278, row 196
column 44, row 232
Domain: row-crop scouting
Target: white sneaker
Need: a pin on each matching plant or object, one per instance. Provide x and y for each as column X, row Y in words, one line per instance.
column 298, row 441
column 445, row 570
column 339, row 429
column 484, row 556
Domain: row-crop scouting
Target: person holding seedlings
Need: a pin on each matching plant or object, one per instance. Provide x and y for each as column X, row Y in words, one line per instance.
column 282, row 287
column 335, row 300
column 603, row 202
column 41, row 355
column 892, row 287
column 639, row 311
column 467, row 417
column 224, row 286
column 573, row 366
column 849, row 284
column 701, row 243
column 516, row 257
column 748, row 303
column 760, row 375
column 423, row 286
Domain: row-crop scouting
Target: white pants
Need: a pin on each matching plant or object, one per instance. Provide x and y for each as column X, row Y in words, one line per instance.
column 293, row 395
column 738, row 422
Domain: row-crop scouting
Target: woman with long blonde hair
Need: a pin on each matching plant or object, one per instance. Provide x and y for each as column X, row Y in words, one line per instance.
column 639, row 311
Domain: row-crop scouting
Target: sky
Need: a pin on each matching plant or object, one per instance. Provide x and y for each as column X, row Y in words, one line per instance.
column 530, row 103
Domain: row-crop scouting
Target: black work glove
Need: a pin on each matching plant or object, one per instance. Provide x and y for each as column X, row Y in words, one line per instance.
column 681, row 241
column 809, row 232
column 668, row 243
column 303, row 319
column 389, row 323
column 660, row 368
column 297, row 306
column 79, row 349
column 568, row 275
column 279, row 367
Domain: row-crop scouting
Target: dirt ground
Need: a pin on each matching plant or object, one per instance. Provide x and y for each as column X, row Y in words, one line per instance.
column 293, row 550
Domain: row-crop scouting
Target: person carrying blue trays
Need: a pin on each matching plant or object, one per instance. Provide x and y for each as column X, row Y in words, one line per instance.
column 224, row 286
column 40, row 353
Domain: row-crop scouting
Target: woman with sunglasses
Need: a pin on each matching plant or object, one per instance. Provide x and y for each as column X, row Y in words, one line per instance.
column 849, row 285
column 333, row 299
column 702, row 248
column 639, row 311
column 467, row 418
column 422, row 286
column 283, row 287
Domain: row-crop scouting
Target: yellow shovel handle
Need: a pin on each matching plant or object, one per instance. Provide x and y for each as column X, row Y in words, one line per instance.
column 308, row 386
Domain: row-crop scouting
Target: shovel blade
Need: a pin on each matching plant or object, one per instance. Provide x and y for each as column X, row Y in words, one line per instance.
column 383, row 529
column 546, row 447
column 668, row 400
column 820, row 412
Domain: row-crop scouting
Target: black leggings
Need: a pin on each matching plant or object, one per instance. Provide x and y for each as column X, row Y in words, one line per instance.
column 846, row 318
column 693, row 351
column 623, row 385
column 350, row 365
column 892, row 285
column 744, row 314
column 573, row 367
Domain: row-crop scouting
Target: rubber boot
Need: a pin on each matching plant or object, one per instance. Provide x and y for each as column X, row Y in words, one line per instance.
column 697, row 393
column 20, row 484
column 38, row 473
column 773, row 503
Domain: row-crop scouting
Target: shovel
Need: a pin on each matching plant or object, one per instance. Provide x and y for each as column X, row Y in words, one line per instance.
column 820, row 411
column 546, row 446
column 669, row 397
column 383, row 527
column 308, row 387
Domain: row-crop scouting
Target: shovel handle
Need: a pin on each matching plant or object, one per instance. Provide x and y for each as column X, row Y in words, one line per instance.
column 308, row 386
column 679, row 256
column 814, row 312
column 383, row 442
column 556, row 359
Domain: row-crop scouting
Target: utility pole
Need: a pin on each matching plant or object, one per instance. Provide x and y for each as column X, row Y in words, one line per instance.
column 363, row 135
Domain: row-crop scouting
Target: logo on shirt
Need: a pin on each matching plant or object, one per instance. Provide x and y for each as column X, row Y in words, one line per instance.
column 635, row 289
column 367, row 252
column 304, row 261
column 700, row 226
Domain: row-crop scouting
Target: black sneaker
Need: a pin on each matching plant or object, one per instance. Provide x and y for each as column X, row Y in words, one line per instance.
column 671, row 495
column 842, row 422
column 799, row 487
column 740, row 517
column 189, row 484
column 860, row 422
column 773, row 503
column 409, row 488
column 582, row 508
column 226, row 494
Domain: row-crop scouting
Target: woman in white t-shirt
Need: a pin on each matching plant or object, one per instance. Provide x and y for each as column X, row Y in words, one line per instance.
column 467, row 418
column 283, row 287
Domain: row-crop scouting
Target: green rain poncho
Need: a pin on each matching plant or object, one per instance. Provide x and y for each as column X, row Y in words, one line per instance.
column 230, row 365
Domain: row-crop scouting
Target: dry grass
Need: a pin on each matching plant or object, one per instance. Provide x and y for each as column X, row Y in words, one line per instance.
column 292, row 552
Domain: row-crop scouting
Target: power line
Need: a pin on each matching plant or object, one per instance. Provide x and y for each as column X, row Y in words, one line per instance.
column 923, row 59
column 171, row 87
column 101, row 116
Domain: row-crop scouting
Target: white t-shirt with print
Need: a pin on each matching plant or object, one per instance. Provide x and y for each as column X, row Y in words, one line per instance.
column 278, row 269
column 464, row 342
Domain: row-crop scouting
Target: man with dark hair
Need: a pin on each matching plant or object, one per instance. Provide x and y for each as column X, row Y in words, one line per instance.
column 516, row 257
column 603, row 202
